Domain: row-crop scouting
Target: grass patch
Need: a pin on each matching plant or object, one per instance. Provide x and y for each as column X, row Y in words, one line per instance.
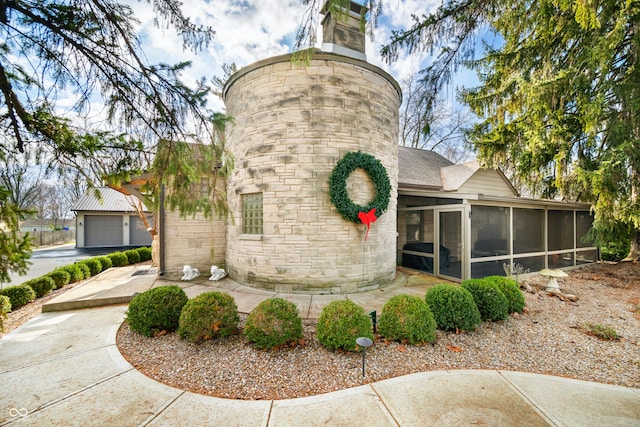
column 602, row 332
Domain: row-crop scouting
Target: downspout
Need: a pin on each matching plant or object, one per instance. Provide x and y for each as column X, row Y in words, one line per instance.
column 162, row 217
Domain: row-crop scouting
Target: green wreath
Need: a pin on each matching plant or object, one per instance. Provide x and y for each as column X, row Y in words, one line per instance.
column 338, row 185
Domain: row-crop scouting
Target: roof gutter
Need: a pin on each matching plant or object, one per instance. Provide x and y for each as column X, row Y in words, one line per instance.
column 161, row 213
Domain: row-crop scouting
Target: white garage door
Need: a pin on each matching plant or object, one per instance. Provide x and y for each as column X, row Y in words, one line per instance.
column 138, row 234
column 102, row 231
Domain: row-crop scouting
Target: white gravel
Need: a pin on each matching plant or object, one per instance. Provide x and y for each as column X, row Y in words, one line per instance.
column 549, row 338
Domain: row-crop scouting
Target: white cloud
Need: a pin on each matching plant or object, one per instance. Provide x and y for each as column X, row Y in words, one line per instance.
column 247, row 31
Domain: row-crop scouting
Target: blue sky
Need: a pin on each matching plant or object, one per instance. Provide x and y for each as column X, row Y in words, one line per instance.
column 251, row 30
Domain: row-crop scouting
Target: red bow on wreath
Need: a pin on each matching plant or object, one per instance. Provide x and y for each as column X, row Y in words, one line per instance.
column 367, row 218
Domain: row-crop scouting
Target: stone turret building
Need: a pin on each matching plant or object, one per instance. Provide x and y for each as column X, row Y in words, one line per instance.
column 293, row 125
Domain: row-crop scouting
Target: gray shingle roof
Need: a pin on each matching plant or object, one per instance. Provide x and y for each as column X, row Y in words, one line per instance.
column 112, row 201
column 454, row 176
column 420, row 167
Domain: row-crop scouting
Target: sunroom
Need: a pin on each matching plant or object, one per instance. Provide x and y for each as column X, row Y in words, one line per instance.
column 479, row 225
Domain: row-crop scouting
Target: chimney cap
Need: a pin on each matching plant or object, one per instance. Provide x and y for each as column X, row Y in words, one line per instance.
column 342, row 31
column 354, row 7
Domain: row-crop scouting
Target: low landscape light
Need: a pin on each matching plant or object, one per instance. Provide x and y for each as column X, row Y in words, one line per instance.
column 365, row 343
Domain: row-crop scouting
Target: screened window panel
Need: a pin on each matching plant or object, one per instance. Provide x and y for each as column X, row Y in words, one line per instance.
column 528, row 230
column 584, row 222
column 487, row 268
column 561, row 260
column 560, row 234
column 414, row 226
column 417, row 262
column 586, row 257
column 427, row 226
column 489, row 231
column 532, row 263
column 252, row 213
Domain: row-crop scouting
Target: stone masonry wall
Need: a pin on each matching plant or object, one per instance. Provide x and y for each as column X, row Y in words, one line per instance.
column 199, row 242
column 292, row 125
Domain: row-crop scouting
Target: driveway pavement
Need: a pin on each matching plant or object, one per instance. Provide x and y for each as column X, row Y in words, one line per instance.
column 44, row 260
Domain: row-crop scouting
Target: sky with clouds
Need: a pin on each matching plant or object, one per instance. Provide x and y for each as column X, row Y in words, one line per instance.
column 250, row 30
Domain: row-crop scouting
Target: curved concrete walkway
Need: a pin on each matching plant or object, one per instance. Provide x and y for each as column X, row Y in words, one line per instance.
column 63, row 368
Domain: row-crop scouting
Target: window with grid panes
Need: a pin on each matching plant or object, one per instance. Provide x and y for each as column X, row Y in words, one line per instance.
column 252, row 213
column 203, row 188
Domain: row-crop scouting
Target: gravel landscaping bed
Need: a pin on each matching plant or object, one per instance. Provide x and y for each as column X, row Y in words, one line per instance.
column 550, row 337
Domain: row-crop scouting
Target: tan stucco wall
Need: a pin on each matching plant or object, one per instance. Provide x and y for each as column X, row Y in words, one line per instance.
column 292, row 125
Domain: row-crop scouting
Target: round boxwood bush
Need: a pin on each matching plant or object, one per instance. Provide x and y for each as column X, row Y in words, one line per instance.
column 207, row 316
column 60, row 277
column 19, row 295
column 156, row 309
column 75, row 273
column 118, row 259
column 453, row 307
column 145, row 253
column 41, row 285
column 491, row 302
column 273, row 323
column 94, row 264
column 84, row 268
column 133, row 257
column 340, row 323
column 407, row 317
column 105, row 261
column 511, row 290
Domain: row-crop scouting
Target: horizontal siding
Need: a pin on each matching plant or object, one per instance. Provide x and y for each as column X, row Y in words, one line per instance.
column 488, row 182
column 102, row 231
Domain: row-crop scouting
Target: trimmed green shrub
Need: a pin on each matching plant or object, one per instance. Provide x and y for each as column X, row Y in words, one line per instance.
column 41, row 285
column 5, row 307
column 60, row 277
column 615, row 251
column 105, row 261
column 156, row 309
column 19, row 295
column 273, row 323
column 453, row 307
column 94, row 264
column 606, row 333
column 133, row 257
column 340, row 323
column 84, row 268
column 406, row 317
column 207, row 316
column 118, row 259
column 75, row 273
column 145, row 253
column 491, row 302
column 511, row 290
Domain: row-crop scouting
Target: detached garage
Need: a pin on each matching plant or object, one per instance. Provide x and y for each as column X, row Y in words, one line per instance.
column 107, row 218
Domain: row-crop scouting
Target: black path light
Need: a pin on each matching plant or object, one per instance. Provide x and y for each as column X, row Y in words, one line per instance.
column 365, row 343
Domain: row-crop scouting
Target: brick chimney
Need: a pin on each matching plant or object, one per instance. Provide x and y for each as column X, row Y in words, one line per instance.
column 341, row 31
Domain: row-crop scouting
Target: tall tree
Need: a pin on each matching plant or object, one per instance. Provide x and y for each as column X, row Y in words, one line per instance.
column 15, row 248
column 439, row 127
column 559, row 95
column 20, row 179
column 90, row 48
